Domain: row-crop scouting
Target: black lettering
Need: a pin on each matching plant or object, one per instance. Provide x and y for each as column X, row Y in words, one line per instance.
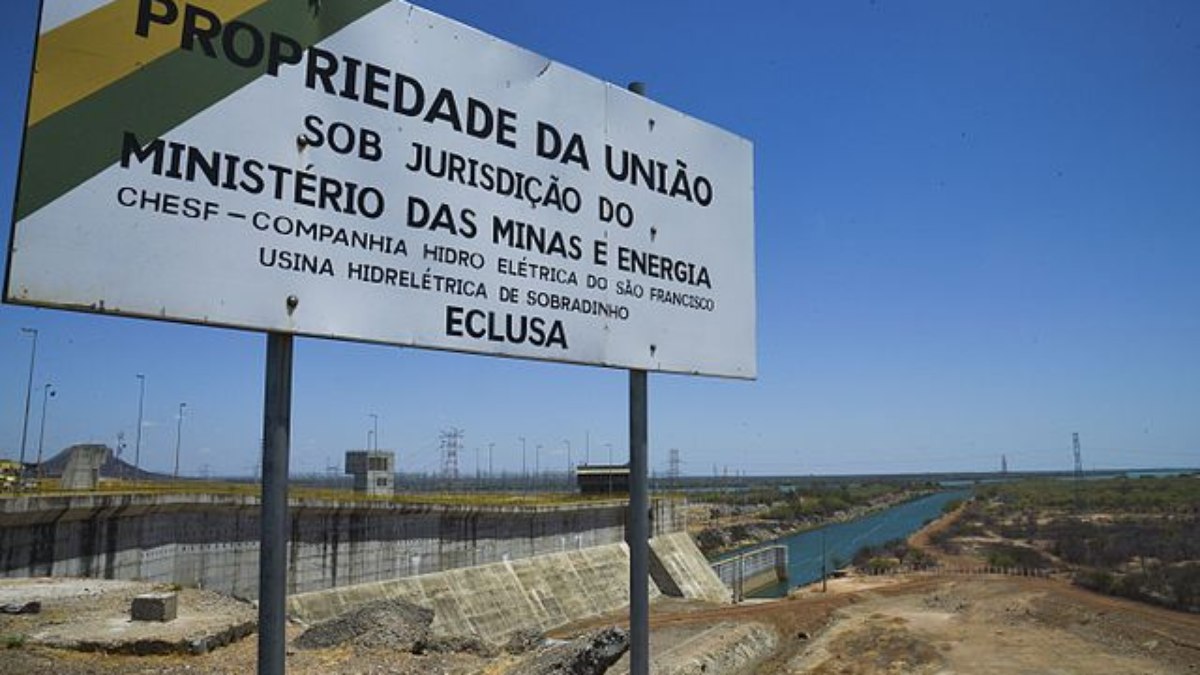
column 147, row 15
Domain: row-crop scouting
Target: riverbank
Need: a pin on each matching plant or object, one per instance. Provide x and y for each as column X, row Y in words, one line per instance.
column 720, row 529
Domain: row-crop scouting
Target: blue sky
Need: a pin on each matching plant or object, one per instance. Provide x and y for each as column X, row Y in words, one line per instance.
column 978, row 231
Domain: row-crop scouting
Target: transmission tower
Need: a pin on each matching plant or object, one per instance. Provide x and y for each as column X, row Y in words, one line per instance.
column 1003, row 465
column 451, row 443
column 673, row 468
column 1078, row 467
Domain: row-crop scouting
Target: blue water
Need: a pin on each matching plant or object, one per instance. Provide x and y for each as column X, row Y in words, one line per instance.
column 843, row 540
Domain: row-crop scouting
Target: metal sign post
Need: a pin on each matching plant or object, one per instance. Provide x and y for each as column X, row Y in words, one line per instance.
column 273, row 523
column 639, row 527
column 639, row 512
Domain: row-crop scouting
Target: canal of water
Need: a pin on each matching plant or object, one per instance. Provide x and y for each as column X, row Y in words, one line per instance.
column 843, row 540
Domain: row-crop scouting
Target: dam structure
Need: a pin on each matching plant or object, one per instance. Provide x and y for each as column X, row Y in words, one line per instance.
column 210, row 540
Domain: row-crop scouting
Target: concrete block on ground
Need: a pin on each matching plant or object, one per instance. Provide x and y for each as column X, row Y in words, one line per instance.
column 160, row 607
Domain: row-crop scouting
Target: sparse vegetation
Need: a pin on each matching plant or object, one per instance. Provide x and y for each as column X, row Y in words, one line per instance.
column 890, row 555
column 1133, row 537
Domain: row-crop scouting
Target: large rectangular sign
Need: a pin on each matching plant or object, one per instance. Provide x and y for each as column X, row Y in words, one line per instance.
column 367, row 170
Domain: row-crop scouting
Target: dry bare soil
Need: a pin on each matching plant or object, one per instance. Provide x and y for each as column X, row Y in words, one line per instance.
column 862, row 625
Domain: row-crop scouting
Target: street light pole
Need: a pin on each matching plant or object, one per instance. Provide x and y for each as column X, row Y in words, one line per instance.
column 178, row 437
column 524, row 466
column 47, row 393
column 824, row 560
column 568, row 442
column 137, row 443
column 28, row 393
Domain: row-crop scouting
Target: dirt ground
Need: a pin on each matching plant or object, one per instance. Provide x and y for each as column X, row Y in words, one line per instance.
column 929, row 625
column 1000, row 625
column 860, row 626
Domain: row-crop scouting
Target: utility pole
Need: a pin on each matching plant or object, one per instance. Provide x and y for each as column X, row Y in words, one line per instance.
column 568, row 442
column 1078, row 469
column 375, row 430
column 137, row 443
column 28, row 393
column 824, row 561
column 178, row 438
column 47, row 393
column 524, row 467
column 120, row 450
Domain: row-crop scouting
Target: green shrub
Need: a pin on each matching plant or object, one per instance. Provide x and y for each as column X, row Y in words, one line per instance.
column 880, row 565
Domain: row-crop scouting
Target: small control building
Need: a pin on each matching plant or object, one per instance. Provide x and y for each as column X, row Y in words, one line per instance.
column 599, row 479
column 374, row 471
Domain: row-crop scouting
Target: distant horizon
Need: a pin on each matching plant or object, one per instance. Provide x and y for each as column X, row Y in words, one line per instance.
column 467, row 471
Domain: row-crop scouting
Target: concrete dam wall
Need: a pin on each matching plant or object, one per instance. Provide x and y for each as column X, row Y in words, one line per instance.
column 495, row 601
column 211, row 541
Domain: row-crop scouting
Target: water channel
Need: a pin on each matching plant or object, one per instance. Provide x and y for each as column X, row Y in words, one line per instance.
column 843, row 540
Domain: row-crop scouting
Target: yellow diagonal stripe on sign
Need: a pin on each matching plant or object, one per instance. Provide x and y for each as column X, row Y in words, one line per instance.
column 92, row 51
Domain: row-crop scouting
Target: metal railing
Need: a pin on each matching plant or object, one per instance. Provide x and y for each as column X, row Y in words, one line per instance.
column 762, row 566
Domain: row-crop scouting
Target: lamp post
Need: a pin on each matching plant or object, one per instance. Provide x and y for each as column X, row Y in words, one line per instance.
column 824, row 562
column 375, row 428
column 47, row 393
column 118, row 451
column 568, row 443
column 524, row 466
column 178, row 437
column 28, row 392
column 137, row 437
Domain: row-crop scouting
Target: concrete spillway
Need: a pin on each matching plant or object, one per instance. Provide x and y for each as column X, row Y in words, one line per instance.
column 211, row 541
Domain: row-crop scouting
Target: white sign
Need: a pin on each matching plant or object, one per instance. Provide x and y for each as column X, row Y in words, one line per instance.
column 375, row 172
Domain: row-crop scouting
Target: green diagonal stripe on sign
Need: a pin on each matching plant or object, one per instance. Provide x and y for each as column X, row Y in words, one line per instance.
column 76, row 143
